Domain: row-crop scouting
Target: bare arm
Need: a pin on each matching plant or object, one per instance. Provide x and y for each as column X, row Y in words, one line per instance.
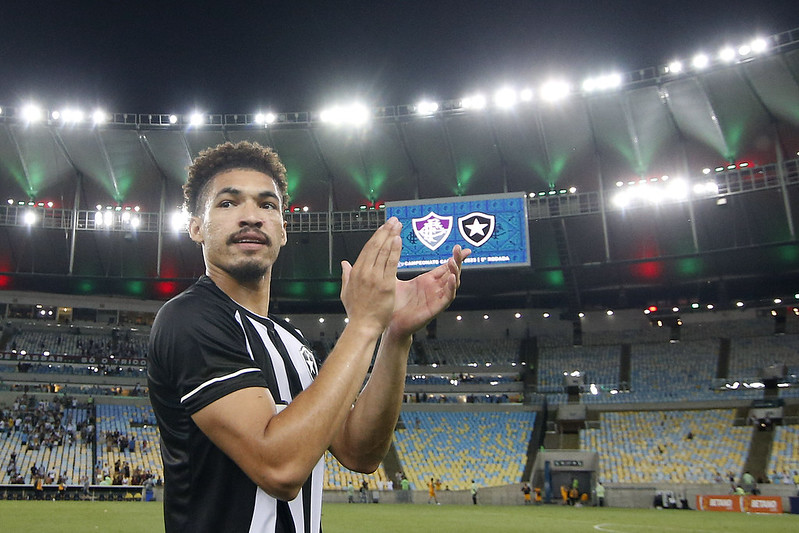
column 367, row 433
column 279, row 450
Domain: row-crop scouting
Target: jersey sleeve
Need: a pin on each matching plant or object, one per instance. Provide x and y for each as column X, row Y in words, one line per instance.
column 201, row 352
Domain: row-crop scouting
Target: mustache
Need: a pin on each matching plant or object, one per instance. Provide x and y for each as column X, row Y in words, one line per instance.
column 249, row 233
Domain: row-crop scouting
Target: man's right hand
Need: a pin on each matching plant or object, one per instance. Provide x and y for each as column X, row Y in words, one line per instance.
column 368, row 287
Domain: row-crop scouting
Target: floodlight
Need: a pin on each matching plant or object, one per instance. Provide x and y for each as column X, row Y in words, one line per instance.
column 99, row 116
column 426, row 108
column 727, row 54
column 700, row 61
column 677, row 189
column 108, row 218
column 609, row 312
column 355, row 114
column 603, row 83
column 265, row 118
column 72, row 115
column 179, row 220
column 526, row 95
column 29, row 218
column 31, row 113
column 705, row 171
column 55, row 115
column 675, row 67
column 135, row 222
column 759, row 45
column 505, row 98
column 197, row 119
column 572, row 190
column 173, row 119
column 622, row 199
column 478, row 101
column 98, row 219
column 554, row 91
column 739, row 304
column 126, row 217
column 744, row 50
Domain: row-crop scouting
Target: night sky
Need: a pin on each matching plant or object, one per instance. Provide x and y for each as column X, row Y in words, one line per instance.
column 225, row 57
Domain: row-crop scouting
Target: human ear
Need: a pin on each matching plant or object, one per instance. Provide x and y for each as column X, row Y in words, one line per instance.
column 195, row 230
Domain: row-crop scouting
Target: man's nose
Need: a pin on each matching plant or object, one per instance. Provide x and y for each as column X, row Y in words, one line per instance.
column 251, row 215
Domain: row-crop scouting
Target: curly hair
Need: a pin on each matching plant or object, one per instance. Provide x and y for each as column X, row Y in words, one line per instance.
column 229, row 156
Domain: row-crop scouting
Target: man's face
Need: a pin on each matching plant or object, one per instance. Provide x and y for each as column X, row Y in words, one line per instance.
column 240, row 224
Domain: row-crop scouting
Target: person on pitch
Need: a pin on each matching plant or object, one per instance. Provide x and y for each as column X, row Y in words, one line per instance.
column 245, row 412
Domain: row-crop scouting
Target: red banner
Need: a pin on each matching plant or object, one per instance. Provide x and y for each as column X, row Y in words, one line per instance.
column 763, row 504
column 719, row 503
column 740, row 504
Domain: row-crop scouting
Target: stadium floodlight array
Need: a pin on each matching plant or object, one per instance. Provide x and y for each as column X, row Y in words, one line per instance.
column 359, row 115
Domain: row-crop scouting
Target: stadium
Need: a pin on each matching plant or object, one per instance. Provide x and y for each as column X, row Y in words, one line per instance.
column 651, row 344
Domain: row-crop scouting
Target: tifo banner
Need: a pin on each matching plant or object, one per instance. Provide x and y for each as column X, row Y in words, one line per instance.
column 763, row 504
column 740, row 504
column 719, row 503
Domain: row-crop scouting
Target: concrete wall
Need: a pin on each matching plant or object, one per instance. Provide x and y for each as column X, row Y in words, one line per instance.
column 616, row 495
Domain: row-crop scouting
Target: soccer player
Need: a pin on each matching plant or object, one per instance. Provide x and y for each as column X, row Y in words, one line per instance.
column 245, row 413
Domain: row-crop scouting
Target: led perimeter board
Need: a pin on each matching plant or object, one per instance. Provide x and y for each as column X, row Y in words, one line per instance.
column 494, row 226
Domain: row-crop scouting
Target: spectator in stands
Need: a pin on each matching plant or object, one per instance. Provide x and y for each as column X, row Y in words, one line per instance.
column 233, row 425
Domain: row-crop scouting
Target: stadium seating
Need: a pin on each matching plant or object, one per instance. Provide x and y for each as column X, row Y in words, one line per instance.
column 456, row 447
column 784, row 459
column 655, row 446
column 466, row 352
column 133, row 421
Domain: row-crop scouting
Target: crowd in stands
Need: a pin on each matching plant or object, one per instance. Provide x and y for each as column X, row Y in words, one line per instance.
column 31, row 425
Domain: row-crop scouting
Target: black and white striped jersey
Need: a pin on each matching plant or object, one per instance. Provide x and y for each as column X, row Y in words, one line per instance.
column 203, row 346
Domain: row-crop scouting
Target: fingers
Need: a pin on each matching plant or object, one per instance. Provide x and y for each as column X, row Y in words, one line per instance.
column 379, row 249
column 455, row 263
column 346, row 268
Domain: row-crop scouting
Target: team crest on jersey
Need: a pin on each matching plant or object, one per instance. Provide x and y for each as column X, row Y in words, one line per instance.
column 432, row 230
column 476, row 228
column 310, row 360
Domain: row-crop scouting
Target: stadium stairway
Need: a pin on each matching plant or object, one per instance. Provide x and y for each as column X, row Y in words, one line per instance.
column 759, row 453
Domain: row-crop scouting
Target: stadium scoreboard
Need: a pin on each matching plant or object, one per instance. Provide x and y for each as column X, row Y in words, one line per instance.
column 494, row 226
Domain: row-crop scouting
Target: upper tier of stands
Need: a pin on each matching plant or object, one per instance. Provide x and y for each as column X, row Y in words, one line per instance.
column 659, row 371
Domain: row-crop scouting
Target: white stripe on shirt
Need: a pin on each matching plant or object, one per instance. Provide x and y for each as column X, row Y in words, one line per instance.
column 217, row 380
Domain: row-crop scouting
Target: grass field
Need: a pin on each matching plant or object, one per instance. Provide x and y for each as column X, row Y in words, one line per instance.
column 122, row 517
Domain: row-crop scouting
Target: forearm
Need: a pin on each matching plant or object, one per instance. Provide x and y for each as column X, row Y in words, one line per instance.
column 369, row 428
column 279, row 451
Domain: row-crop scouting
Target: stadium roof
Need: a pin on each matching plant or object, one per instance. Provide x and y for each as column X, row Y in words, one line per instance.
column 734, row 124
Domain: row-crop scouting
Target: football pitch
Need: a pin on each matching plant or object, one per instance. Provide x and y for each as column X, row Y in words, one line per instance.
column 123, row 517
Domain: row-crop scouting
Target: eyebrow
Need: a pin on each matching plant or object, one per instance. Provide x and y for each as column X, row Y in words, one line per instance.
column 237, row 192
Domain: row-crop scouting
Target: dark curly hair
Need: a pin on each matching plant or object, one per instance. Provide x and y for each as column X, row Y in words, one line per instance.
column 229, row 156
